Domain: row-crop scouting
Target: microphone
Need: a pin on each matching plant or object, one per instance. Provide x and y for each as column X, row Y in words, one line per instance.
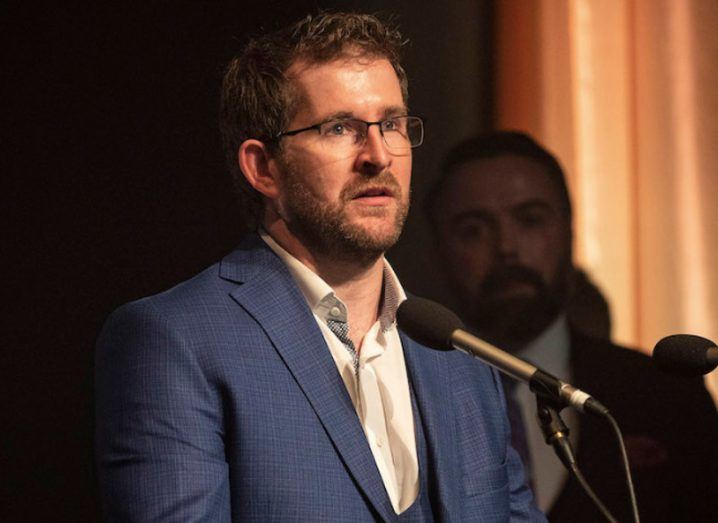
column 686, row 355
column 436, row 327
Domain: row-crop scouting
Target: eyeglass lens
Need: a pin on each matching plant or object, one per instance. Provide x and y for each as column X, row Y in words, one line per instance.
column 403, row 132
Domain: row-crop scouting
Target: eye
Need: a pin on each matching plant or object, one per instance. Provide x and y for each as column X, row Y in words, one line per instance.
column 472, row 230
column 394, row 124
column 389, row 125
column 334, row 129
column 342, row 128
column 532, row 218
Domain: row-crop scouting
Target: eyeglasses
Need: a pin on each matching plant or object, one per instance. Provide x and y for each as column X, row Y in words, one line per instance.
column 400, row 133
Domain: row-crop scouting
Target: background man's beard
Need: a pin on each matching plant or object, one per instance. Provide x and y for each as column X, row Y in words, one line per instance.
column 327, row 229
column 512, row 322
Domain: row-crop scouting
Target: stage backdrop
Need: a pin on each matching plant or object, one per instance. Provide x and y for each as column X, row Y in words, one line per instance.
column 624, row 93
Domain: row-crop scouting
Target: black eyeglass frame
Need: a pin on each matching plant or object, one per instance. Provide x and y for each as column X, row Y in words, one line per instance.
column 317, row 127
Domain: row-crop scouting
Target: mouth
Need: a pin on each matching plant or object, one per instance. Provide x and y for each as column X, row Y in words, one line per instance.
column 379, row 195
column 514, row 288
column 512, row 283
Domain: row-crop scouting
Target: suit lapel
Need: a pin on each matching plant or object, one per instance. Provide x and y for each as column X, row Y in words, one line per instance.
column 583, row 363
column 269, row 294
column 584, row 366
column 428, row 372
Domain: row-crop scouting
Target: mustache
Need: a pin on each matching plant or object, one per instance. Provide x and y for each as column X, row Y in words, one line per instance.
column 502, row 276
column 385, row 180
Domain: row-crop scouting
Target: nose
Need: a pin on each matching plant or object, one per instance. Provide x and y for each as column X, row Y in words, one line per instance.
column 374, row 157
column 507, row 240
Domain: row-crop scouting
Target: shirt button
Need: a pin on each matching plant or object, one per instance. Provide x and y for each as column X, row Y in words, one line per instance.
column 335, row 311
column 379, row 442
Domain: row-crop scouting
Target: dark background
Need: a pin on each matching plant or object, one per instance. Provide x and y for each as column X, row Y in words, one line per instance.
column 117, row 189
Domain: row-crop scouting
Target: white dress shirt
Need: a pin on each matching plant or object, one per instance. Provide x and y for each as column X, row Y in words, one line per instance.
column 377, row 383
column 550, row 352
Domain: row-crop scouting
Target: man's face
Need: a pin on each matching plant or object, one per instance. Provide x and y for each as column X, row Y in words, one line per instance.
column 351, row 204
column 506, row 244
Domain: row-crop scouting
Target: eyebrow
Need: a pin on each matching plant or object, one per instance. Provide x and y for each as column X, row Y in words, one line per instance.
column 396, row 110
column 341, row 115
column 534, row 203
column 471, row 214
column 389, row 112
column 487, row 215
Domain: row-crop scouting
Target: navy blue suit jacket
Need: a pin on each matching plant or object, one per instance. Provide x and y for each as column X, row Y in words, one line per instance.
column 219, row 400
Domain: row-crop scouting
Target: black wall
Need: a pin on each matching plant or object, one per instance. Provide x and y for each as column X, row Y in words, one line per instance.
column 117, row 189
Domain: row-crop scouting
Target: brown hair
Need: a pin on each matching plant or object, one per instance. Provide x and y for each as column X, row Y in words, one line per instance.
column 257, row 99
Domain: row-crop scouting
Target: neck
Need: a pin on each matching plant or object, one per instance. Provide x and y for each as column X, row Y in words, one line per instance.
column 356, row 282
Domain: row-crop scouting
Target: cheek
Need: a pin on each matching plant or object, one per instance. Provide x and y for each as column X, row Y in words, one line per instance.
column 467, row 265
column 323, row 187
column 321, row 177
column 402, row 172
column 547, row 254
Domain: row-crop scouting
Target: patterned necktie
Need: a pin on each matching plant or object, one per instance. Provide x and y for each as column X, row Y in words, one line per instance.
column 519, row 440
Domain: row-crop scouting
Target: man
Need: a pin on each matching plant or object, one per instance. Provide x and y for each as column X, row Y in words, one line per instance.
column 502, row 220
column 275, row 386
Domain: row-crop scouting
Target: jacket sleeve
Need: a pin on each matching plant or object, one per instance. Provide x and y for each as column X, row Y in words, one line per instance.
column 159, row 433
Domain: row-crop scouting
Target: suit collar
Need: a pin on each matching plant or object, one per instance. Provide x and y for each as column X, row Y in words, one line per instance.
column 586, row 360
column 317, row 292
column 270, row 295
column 550, row 350
column 249, row 260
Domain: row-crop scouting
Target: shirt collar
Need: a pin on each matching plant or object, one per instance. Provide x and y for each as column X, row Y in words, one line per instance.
column 320, row 296
column 550, row 350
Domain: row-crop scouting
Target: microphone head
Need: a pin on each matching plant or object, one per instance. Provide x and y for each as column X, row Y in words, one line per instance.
column 428, row 323
column 685, row 354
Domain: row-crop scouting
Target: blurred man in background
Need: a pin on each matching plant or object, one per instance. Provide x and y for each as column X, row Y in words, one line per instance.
column 502, row 220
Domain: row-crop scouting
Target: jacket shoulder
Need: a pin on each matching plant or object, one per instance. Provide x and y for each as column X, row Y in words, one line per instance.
column 627, row 380
column 211, row 288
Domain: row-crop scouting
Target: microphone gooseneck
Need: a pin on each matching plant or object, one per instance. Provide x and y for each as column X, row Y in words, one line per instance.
column 436, row 327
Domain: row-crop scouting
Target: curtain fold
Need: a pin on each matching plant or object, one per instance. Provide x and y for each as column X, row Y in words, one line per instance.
column 624, row 93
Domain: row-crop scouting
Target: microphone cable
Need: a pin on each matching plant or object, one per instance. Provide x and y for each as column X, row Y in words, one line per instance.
column 626, row 467
column 556, row 434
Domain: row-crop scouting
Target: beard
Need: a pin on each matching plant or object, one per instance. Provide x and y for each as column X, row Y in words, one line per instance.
column 327, row 228
column 511, row 321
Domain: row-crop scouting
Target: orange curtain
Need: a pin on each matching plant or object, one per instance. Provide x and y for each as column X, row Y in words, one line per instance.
column 624, row 92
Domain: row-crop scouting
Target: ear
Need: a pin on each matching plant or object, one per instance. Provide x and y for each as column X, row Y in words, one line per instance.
column 258, row 168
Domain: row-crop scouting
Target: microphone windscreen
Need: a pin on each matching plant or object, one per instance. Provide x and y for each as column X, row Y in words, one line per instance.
column 428, row 323
column 684, row 354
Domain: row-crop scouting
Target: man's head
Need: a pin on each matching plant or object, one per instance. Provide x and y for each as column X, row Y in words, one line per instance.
column 501, row 216
column 331, row 66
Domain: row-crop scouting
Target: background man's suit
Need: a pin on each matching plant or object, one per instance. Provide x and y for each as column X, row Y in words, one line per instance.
column 669, row 425
column 219, row 397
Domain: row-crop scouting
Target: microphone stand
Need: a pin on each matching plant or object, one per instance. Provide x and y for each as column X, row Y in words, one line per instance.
column 555, row 434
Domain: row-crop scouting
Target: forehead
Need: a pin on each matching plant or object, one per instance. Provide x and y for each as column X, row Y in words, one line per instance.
column 499, row 183
column 355, row 85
